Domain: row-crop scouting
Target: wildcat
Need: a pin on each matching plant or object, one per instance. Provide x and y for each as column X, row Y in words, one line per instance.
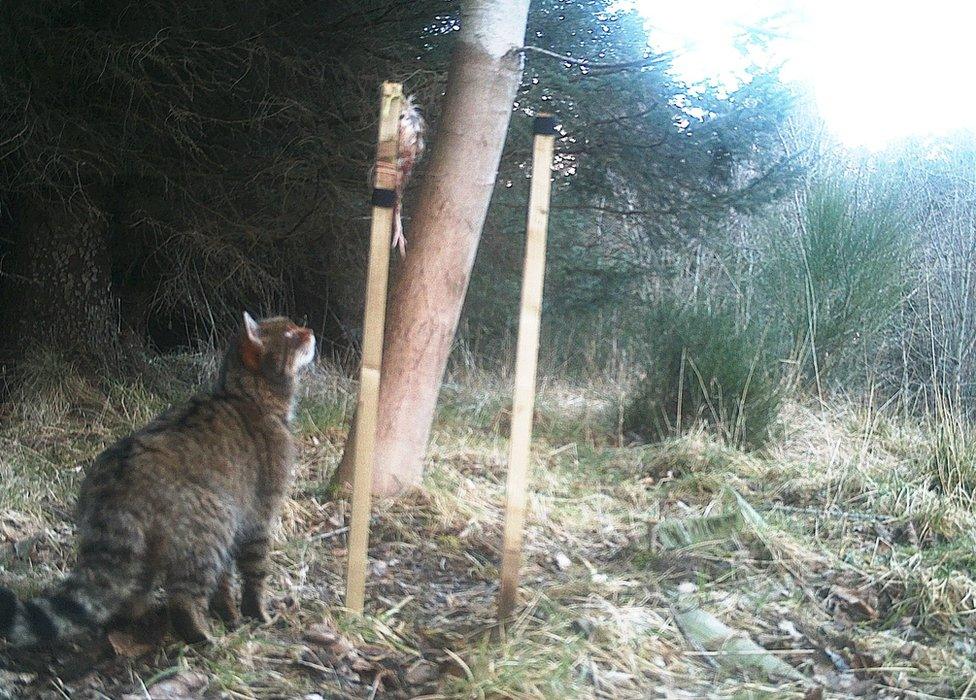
column 180, row 501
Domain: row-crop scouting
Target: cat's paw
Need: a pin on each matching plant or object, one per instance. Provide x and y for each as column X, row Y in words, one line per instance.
column 254, row 609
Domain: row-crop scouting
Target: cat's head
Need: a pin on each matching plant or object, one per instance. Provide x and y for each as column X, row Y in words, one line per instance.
column 275, row 347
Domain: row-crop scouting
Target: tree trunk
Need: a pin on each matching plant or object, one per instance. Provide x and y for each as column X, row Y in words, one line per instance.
column 58, row 295
column 427, row 297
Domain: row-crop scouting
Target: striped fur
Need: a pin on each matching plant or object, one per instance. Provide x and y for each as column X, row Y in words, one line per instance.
column 178, row 503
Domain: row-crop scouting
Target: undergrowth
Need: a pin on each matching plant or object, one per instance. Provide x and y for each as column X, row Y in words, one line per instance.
column 705, row 366
column 844, row 548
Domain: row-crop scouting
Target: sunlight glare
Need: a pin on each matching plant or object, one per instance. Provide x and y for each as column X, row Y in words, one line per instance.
column 879, row 71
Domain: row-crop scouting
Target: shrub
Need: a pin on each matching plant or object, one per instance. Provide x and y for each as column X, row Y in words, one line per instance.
column 837, row 280
column 704, row 365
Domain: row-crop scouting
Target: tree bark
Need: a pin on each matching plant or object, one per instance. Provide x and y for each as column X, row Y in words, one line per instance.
column 58, row 295
column 427, row 297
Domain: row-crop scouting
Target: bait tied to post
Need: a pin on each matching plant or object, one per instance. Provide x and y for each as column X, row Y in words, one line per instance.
column 410, row 148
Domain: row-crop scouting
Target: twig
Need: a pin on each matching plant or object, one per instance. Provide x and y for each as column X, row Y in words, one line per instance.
column 460, row 662
column 640, row 63
column 834, row 513
column 376, row 685
column 329, row 535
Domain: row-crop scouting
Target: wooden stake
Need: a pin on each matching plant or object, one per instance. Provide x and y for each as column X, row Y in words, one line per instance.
column 525, row 364
column 375, row 316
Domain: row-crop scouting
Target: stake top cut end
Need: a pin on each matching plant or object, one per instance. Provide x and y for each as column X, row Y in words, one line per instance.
column 544, row 125
column 391, row 104
column 392, row 96
column 390, row 88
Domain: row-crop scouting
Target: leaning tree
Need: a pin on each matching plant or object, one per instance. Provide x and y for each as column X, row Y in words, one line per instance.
column 427, row 297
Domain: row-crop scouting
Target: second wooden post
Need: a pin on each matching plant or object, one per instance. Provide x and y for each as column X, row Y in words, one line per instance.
column 525, row 364
column 384, row 198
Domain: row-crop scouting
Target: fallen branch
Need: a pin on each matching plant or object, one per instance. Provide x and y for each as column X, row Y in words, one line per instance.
column 731, row 648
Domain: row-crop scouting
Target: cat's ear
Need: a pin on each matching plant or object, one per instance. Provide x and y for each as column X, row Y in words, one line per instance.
column 251, row 345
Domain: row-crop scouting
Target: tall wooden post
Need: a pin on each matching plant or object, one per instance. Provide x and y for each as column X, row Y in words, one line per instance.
column 384, row 197
column 525, row 363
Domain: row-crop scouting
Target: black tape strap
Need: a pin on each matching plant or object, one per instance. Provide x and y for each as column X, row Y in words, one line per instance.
column 544, row 126
column 384, row 198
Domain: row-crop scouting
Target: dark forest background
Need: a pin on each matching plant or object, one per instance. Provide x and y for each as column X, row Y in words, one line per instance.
column 163, row 167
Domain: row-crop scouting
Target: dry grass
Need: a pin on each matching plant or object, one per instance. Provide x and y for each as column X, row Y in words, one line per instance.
column 856, row 567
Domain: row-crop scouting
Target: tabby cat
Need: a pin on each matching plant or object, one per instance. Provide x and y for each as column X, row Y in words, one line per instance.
column 178, row 502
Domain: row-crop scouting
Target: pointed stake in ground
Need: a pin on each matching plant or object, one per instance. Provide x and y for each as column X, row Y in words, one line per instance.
column 525, row 363
column 384, row 198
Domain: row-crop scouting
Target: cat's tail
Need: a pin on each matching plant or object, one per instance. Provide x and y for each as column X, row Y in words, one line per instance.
column 107, row 577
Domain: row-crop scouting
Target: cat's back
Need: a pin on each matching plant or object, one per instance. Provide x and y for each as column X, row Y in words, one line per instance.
column 210, row 442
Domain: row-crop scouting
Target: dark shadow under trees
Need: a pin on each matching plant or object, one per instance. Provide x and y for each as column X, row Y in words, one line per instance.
column 162, row 168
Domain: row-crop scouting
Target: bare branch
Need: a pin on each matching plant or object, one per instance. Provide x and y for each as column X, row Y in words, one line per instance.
column 587, row 63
